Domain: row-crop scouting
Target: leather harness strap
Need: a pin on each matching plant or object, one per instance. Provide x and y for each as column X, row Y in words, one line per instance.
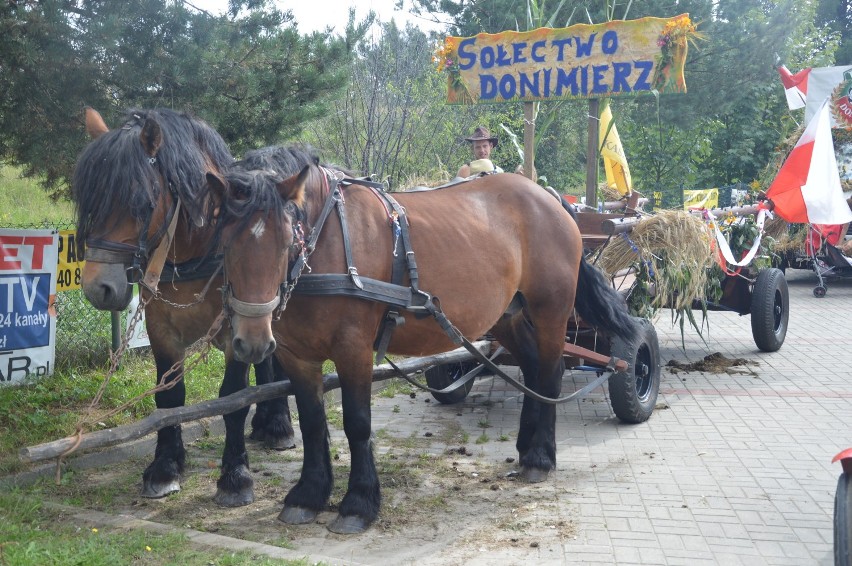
column 396, row 295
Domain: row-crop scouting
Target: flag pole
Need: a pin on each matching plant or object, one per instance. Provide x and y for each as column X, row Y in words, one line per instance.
column 529, row 140
column 592, row 154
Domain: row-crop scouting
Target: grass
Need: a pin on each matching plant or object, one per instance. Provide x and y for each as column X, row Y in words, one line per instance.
column 396, row 386
column 33, row 534
column 49, row 408
column 39, row 209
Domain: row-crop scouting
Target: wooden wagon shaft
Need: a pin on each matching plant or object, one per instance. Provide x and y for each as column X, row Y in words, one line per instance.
column 735, row 210
column 168, row 417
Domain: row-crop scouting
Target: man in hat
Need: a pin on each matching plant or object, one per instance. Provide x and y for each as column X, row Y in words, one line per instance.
column 482, row 142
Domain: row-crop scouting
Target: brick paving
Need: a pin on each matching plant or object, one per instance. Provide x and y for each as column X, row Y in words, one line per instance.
column 731, row 468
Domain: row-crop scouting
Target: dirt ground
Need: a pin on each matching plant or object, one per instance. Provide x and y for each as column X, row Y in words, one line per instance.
column 450, row 493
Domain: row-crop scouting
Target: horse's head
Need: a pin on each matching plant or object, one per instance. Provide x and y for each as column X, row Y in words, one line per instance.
column 260, row 232
column 127, row 185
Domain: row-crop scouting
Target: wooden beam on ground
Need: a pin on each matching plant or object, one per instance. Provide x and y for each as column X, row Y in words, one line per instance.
column 169, row 417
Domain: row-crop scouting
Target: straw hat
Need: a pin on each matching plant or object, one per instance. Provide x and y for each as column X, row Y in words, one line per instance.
column 481, row 166
column 482, row 133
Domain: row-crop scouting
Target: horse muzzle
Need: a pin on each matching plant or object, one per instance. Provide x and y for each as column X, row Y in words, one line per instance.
column 106, row 286
column 252, row 339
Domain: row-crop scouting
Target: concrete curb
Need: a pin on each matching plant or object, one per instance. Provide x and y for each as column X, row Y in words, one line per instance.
column 100, row 519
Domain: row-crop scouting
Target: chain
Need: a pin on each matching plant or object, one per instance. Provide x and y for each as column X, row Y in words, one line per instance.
column 199, row 297
column 202, row 347
column 304, row 254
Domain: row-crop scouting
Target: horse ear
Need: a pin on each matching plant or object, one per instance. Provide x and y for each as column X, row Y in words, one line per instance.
column 151, row 137
column 293, row 188
column 95, row 125
column 218, row 191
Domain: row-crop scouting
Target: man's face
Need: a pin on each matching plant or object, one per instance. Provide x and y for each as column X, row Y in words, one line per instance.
column 481, row 149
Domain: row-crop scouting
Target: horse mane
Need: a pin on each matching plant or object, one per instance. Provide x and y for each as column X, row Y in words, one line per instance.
column 113, row 173
column 253, row 180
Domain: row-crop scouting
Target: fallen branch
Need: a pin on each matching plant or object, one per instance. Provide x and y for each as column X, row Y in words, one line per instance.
column 162, row 418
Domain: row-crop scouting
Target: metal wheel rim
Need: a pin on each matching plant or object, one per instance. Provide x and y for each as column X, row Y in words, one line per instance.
column 642, row 372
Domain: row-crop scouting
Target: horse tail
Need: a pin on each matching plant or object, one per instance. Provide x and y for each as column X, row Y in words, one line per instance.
column 601, row 306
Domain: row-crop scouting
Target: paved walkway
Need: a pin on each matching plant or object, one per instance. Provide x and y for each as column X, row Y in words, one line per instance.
column 731, row 468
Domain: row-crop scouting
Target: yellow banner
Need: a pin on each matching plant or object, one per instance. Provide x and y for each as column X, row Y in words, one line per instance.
column 615, row 162
column 582, row 61
column 70, row 268
column 703, row 198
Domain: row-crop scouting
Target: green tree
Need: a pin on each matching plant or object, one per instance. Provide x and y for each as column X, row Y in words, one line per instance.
column 725, row 128
column 837, row 15
column 248, row 72
column 392, row 121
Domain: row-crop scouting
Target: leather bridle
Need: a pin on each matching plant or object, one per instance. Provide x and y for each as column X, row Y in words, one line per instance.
column 138, row 258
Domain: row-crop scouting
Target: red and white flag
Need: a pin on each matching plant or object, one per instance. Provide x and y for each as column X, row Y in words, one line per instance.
column 807, row 188
column 795, row 86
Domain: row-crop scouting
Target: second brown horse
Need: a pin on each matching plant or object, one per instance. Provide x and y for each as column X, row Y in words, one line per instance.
column 496, row 255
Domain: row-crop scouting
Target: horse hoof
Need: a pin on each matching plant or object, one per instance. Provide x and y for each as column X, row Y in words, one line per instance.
column 297, row 515
column 159, row 490
column 533, row 475
column 279, row 444
column 239, row 499
column 348, row 525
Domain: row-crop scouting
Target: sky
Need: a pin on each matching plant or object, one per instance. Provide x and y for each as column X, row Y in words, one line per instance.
column 314, row 15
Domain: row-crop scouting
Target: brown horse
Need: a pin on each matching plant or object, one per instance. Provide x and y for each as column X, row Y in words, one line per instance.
column 502, row 255
column 126, row 187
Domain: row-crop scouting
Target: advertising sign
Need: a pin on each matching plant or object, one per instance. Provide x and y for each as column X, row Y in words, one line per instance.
column 70, row 268
column 581, row 61
column 27, row 291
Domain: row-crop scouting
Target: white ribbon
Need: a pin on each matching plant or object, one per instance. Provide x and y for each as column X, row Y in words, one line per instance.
column 725, row 248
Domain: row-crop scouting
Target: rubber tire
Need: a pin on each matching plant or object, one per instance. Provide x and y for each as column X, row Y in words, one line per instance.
column 843, row 521
column 820, row 291
column 770, row 310
column 633, row 393
column 439, row 377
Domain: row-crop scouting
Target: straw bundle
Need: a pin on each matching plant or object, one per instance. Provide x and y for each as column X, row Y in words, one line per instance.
column 673, row 250
column 791, row 240
column 609, row 194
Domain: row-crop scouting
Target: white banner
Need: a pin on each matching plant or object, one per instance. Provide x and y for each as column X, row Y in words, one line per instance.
column 27, row 312
column 833, row 83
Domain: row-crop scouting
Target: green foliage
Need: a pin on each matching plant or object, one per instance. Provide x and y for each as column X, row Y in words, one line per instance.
column 836, row 15
column 249, row 73
column 39, row 210
column 49, row 407
column 392, row 121
column 258, row 81
column 741, row 234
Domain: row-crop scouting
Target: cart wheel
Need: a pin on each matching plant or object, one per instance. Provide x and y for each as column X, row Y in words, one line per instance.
column 633, row 393
column 770, row 301
column 843, row 521
column 820, row 291
column 439, row 377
